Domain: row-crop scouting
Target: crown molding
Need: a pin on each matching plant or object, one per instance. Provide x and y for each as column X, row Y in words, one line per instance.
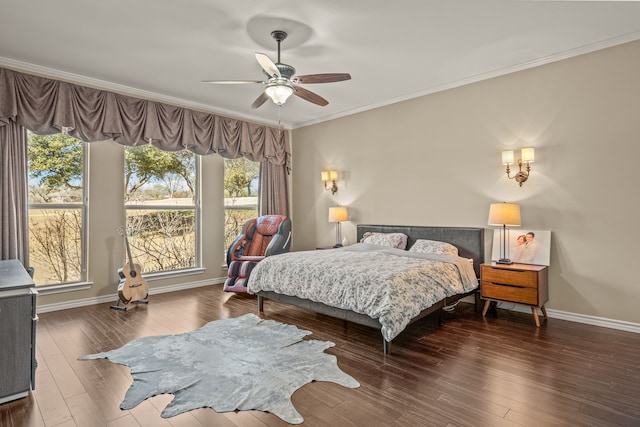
column 567, row 54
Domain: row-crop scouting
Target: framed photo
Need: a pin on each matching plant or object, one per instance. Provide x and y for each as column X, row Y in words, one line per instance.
column 524, row 246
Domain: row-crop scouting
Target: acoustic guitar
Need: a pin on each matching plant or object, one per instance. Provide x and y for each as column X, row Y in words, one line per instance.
column 134, row 287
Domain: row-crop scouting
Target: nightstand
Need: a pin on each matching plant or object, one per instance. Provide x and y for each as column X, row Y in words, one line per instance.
column 524, row 284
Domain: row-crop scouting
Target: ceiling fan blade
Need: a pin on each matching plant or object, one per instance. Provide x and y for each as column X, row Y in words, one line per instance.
column 260, row 100
column 267, row 65
column 307, row 95
column 232, row 82
column 323, row 78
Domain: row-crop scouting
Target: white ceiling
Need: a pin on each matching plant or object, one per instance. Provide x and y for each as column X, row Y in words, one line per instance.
column 394, row 50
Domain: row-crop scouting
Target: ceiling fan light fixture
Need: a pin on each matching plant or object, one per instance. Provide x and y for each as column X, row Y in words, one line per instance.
column 279, row 92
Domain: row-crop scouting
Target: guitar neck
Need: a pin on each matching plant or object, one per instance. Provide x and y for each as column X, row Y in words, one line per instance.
column 129, row 257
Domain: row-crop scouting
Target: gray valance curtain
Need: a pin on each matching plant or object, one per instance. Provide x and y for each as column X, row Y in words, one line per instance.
column 45, row 106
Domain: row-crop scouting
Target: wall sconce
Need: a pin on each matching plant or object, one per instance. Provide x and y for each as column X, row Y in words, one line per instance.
column 329, row 179
column 527, row 156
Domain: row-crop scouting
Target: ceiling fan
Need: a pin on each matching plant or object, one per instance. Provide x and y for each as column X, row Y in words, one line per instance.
column 282, row 82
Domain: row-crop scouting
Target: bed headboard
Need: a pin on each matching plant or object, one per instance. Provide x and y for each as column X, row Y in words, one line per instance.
column 468, row 240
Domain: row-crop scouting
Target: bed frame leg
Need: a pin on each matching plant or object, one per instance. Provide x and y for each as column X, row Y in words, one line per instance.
column 260, row 304
column 386, row 345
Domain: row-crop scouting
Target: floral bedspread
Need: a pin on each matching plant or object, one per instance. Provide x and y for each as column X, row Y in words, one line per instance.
column 387, row 284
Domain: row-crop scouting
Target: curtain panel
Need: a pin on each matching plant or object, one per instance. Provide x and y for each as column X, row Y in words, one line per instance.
column 14, row 223
column 45, row 106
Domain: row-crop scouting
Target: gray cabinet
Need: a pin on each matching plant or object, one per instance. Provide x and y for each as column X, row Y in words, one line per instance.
column 17, row 331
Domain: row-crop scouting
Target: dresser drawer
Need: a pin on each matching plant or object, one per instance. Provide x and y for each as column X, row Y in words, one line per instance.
column 505, row 292
column 499, row 276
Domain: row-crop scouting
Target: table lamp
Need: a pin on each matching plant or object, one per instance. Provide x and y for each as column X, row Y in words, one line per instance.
column 504, row 215
column 338, row 214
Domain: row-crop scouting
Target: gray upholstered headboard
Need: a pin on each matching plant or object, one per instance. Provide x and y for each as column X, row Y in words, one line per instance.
column 468, row 240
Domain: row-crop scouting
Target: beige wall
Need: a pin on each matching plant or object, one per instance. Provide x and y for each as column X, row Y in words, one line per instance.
column 106, row 214
column 435, row 160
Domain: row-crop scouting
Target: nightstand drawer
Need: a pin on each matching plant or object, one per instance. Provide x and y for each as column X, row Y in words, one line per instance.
column 528, row 279
column 517, row 283
column 505, row 292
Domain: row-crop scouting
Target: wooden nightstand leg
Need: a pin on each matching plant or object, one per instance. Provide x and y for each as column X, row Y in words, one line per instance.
column 487, row 303
column 544, row 311
column 534, row 310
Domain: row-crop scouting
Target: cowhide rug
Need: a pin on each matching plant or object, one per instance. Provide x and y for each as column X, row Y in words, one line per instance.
column 244, row 363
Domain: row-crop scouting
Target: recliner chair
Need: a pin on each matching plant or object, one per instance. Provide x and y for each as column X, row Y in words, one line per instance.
column 261, row 237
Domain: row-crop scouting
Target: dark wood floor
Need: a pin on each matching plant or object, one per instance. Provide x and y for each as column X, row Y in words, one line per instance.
column 469, row 371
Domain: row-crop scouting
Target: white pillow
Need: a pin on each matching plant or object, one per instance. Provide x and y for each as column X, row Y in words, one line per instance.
column 433, row 247
column 392, row 240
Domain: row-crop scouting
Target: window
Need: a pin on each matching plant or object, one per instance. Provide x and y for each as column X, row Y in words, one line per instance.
column 57, row 208
column 162, row 208
column 241, row 184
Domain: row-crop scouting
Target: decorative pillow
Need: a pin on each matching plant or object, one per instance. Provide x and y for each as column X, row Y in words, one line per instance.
column 393, row 240
column 433, row 247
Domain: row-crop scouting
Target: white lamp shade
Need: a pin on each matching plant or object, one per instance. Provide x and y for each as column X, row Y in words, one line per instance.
column 338, row 214
column 528, row 155
column 507, row 157
column 279, row 93
column 333, row 175
column 505, row 214
column 325, row 176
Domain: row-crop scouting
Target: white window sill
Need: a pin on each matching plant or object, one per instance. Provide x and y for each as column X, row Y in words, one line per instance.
column 175, row 273
column 63, row 287
column 79, row 286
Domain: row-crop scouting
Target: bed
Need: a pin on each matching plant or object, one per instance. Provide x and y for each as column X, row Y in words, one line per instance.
column 376, row 285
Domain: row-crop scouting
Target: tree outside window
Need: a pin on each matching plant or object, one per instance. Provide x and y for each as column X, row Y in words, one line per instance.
column 56, row 208
column 161, row 202
column 241, row 184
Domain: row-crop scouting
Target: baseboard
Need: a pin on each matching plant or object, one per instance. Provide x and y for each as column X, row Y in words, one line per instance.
column 554, row 314
column 113, row 298
column 578, row 318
